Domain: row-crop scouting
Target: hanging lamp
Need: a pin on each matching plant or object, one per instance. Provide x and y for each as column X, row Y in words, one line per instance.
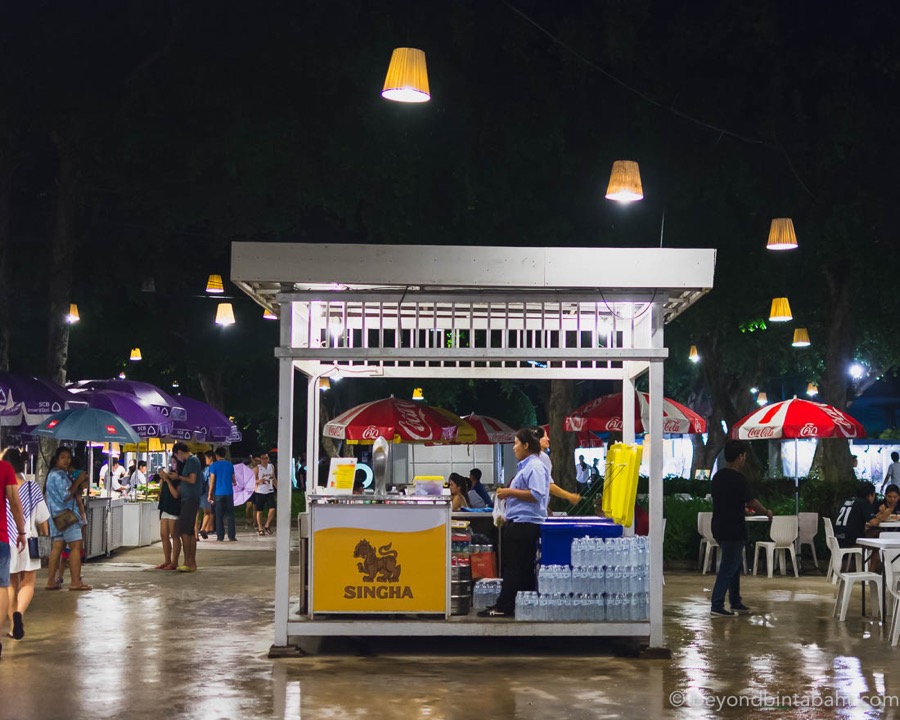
column 73, row 316
column 762, row 398
column 801, row 338
column 225, row 314
column 418, row 394
column 625, row 182
column 812, row 390
column 693, row 355
column 269, row 315
column 215, row 286
column 324, row 384
column 407, row 77
column 781, row 310
column 782, row 235
column 135, row 355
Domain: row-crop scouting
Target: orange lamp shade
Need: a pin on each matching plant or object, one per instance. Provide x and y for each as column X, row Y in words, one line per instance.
column 762, row 398
column 782, row 235
column 625, row 182
column 781, row 310
column 269, row 315
column 215, row 286
column 407, row 77
column 694, row 356
column 812, row 390
column 135, row 355
column 801, row 338
column 225, row 314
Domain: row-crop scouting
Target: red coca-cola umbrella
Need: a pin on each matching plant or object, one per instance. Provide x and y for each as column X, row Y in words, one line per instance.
column 394, row 419
column 490, row 431
column 604, row 414
column 795, row 419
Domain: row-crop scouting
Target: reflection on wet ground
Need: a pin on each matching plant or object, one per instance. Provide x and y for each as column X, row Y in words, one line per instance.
column 156, row 644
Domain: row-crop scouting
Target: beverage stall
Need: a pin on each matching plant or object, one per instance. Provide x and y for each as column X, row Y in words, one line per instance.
column 382, row 311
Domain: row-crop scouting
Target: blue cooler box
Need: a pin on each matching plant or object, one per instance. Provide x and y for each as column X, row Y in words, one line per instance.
column 557, row 536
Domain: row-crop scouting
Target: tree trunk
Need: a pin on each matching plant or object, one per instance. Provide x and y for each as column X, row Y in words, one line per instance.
column 562, row 443
column 833, row 458
column 213, row 387
column 6, row 178
column 62, row 253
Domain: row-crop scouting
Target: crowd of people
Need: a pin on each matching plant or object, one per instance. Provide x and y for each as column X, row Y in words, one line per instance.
column 196, row 498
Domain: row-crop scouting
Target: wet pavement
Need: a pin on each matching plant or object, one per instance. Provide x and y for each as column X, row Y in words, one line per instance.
column 155, row 644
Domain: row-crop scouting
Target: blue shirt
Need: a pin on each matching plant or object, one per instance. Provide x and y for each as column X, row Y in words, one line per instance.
column 531, row 475
column 58, row 483
column 191, row 490
column 223, row 473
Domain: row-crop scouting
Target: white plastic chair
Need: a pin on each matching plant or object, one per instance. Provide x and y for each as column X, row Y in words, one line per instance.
column 846, row 581
column 783, row 533
column 838, row 553
column 892, row 578
column 809, row 528
column 707, row 541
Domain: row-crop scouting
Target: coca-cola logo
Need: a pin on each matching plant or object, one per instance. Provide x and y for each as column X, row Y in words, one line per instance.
column 370, row 433
column 614, row 425
column 574, row 424
column 672, row 426
column 760, row 432
column 841, row 422
column 412, row 421
column 333, row 432
column 809, row 430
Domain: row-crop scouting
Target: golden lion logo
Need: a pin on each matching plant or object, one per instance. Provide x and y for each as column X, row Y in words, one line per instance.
column 377, row 567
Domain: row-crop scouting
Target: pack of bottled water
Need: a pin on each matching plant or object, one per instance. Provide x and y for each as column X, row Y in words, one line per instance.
column 486, row 592
column 608, row 581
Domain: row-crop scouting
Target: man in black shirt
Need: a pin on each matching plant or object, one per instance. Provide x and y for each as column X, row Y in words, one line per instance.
column 731, row 495
column 855, row 516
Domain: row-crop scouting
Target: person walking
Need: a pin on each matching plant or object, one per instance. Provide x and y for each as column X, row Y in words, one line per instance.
column 205, row 520
column 9, row 506
column 526, row 509
column 221, row 494
column 191, row 487
column 60, row 489
column 892, row 476
column 731, row 495
column 266, row 485
column 582, row 474
column 169, row 507
column 22, row 567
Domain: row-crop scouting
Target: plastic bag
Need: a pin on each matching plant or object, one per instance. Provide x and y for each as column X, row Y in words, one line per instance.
column 499, row 512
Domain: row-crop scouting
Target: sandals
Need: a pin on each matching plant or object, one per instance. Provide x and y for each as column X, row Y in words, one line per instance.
column 261, row 532
column 80, row 588
column 269, row 530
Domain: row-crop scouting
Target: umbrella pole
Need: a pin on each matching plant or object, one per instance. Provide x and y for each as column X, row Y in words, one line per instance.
column 109, row 500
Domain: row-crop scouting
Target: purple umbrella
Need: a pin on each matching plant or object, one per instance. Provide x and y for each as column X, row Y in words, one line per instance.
column 150, row 394
column 27, row 401
column 205, row 424
column 145, row 419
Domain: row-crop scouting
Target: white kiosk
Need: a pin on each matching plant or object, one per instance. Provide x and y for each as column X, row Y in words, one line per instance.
column 509, row 313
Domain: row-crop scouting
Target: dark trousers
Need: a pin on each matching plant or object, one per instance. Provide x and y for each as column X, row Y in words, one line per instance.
column 225, row 512
column 519, row 552
column 729, row 576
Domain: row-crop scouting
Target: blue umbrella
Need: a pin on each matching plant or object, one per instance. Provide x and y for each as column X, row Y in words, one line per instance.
column 87, row 424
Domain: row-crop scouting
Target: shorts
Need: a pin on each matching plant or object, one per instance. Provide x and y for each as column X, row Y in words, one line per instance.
column 265, row 501
column 204, row 502
column 4, row 565
column 163, row 515
column 188, row 517
column 68, row 536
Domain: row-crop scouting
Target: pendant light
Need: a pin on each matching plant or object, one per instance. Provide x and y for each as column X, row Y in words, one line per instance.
column 73, row 316
column 269, row 315
column 782, row 235
column 324, row 384
column 812, row 390
column 214, row 285
column 418, row 394
column 781, row 310
column 407, row 77
column 694, row 356
column 135, row 355
column 625, row 182
column 762, row 398
column 225, row 314
column 801, row 338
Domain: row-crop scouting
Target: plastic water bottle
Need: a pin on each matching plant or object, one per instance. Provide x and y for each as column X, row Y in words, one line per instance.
column 544, row 607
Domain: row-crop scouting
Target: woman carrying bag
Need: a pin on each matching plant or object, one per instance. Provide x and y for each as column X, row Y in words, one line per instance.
column 65, row 521
column 525, row 510
column 25, row 562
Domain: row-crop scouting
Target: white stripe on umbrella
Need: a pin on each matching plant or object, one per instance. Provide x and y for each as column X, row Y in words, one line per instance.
column 797, row 418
